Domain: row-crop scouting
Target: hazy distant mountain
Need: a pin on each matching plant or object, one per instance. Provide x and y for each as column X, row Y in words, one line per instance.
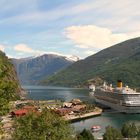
column 33, row 69
column 121, row 61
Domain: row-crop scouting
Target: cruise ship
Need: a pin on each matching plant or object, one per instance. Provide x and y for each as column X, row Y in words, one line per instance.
column 122, row 99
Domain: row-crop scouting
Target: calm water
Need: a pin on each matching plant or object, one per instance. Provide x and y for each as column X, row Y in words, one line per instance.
column 109, row 117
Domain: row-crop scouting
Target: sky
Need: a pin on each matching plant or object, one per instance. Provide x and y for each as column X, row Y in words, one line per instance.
column 67, row 27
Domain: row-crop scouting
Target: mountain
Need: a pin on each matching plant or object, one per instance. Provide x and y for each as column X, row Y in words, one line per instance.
column 8, row 73
column 121, row 61
column 9, row 84
column 33, row 69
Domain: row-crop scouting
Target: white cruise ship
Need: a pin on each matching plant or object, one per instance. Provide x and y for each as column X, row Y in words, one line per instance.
column 122, row 99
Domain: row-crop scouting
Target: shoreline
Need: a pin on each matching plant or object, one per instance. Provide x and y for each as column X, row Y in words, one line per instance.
column 73, row 118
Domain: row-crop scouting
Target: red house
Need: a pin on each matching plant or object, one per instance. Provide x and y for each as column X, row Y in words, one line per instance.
column 19, row 113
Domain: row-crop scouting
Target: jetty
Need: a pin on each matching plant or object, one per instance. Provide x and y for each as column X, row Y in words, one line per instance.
column 78, row 117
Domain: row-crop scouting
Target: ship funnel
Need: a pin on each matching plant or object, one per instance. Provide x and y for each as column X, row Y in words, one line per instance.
column 119, row 84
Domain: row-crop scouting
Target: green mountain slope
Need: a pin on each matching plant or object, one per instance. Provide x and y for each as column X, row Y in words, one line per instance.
column 9, row 86
column 121, row 61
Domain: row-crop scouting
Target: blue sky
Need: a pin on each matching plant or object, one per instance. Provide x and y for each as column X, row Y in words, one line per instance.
column 68, row 27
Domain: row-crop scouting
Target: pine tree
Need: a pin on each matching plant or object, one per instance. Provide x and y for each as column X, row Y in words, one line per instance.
column 44, row 126
column 85, row 135
column 129, row 130
column 112, row 134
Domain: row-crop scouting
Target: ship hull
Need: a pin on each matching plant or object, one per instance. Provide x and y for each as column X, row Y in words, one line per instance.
column 118, row 107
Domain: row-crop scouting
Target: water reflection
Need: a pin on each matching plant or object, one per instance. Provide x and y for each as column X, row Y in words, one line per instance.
column 107, row 118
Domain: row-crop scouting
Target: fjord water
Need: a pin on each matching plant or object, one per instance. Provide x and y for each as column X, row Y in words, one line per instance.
column 109, row 117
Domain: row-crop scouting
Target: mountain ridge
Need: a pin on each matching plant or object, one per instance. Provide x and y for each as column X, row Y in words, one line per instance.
column 10, row 88
column 33, row 69
column 103, row 64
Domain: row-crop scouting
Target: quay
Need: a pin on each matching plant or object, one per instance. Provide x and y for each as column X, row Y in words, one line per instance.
column 73, row 118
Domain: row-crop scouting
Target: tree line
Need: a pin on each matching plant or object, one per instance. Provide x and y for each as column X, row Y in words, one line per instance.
column 128, row 130
column 50, row 126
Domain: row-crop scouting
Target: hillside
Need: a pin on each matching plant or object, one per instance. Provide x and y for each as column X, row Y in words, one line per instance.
column 33, row 69
column 121, row 61
column 9, row 85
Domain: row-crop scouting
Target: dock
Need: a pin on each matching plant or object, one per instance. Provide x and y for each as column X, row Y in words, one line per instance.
column 73, row 118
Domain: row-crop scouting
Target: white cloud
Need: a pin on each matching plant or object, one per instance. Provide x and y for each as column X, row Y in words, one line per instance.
column 2, row 47
column 9, row 56
column 91, row 36
column 90, row 52
column 117, row 15
column 23, row 48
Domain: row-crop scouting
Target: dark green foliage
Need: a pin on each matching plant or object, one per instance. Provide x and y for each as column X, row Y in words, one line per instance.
column 44, row 126
column 121, row 61
column 138, row 132
column 85, row 135
column 112, row 134
column 129, row 130
column 1, row 130
column 125, row 130
column 9, row 86
column 90, row 107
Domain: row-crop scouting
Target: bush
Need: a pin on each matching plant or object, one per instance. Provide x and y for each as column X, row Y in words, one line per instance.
column 112, row 134
column 129, row 130
column 44, row 126
column 85, row 135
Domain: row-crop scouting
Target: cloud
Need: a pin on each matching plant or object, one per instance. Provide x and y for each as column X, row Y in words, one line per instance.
column 91, row 36
column 23, row 48
column 90, row 52
column 2, row 48
column 18, row 6
column 23, row 21
column 9, row 56
column 117, row 15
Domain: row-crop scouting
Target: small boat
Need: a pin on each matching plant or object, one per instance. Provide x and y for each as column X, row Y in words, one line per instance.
column 95, row 128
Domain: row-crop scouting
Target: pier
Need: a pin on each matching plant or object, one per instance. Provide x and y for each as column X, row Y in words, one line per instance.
column 79, row 117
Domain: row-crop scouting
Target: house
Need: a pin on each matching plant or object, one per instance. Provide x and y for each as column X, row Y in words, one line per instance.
column 63, row 111
column 67, row 105
column 78, row 108
column 76, row 102
column 19, row 113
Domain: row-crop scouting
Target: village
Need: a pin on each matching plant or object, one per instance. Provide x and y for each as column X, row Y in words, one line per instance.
column 73, row 110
